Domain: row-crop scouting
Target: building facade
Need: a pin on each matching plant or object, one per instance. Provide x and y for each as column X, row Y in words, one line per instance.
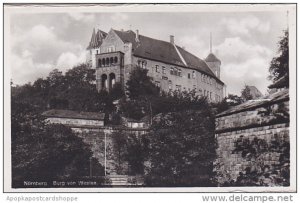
column 115, row 54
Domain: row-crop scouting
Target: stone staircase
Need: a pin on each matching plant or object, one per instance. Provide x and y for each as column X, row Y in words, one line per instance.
column 119, row 180
column 123, row 181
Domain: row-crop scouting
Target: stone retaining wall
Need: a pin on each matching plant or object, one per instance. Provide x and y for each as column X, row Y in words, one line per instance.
column 95, row 138
column 230, row 164
column 263, row 129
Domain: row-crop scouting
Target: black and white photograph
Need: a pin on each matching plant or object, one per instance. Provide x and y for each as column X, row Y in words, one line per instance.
column 149, row 97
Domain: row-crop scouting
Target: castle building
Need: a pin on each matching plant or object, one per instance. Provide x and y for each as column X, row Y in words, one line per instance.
column 171, row 67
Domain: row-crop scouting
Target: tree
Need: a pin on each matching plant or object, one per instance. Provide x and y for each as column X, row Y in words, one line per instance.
column 234, row 100
column 129, row 149
column 182, row 149
column 44, row 152
column 140, row 84
column 80, row 75
column 279, row 65
column 246, row 93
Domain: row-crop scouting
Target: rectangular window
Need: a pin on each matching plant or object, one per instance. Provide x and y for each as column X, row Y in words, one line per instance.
column 139, row 63
column 189, row 75
column 194, row 74
column 144, row 63
column 157, row 69
column 179, row 72
column 163, row 70
column 175, row 71
column 172, row 71
column 111, row 49
column 170, row 85
column 178, row 87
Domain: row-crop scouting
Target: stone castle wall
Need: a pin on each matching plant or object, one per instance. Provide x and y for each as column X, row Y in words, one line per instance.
column 230, row 164
column 95, row 138
column 263, row 129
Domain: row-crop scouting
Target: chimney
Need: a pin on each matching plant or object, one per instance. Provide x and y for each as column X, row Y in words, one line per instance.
column 172, row 39
column 137, row 35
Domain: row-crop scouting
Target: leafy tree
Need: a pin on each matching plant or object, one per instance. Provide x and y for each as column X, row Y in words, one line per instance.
column 42, row 152
column 140, row 84
column 182, row 149
column 119, row 140
column 130, row 152
column 117, row 91
column 279, row 65
column 234, row 100
column 80, row 75
column 137, row 153
column 76, row 90
column 135, row 109
column 227, row 102
column 246, row 93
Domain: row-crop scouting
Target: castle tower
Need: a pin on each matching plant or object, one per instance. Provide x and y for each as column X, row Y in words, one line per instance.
column 212, row 61
column 94, row 46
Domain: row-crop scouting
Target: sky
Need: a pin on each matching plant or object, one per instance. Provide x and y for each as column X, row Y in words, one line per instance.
column 245, row 42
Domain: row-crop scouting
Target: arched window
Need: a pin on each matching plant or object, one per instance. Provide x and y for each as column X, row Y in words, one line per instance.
column 112, row 80
column 116, row 59
column 111, row 60
column 103, row 62
column 99, row 62
column 107, row 61
column 104, row 83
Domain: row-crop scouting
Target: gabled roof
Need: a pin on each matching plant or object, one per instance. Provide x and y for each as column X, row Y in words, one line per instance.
column 96, row 39
column 163, row 51
column 212, row 58
column 58, row 113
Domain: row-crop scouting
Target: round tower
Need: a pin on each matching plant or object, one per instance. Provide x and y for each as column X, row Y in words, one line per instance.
column 214, row 64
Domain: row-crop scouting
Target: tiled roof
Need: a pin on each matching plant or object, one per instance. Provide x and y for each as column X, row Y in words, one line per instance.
column 211, row 58
column 163, row 51
column 57, row 113
column 253, row 104
column 96, row 39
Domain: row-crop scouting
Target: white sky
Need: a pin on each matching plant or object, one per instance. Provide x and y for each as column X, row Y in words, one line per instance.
column 245, row 42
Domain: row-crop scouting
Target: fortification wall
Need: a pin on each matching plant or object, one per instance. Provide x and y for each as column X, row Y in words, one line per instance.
column 253, row 140
column 95, row 138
